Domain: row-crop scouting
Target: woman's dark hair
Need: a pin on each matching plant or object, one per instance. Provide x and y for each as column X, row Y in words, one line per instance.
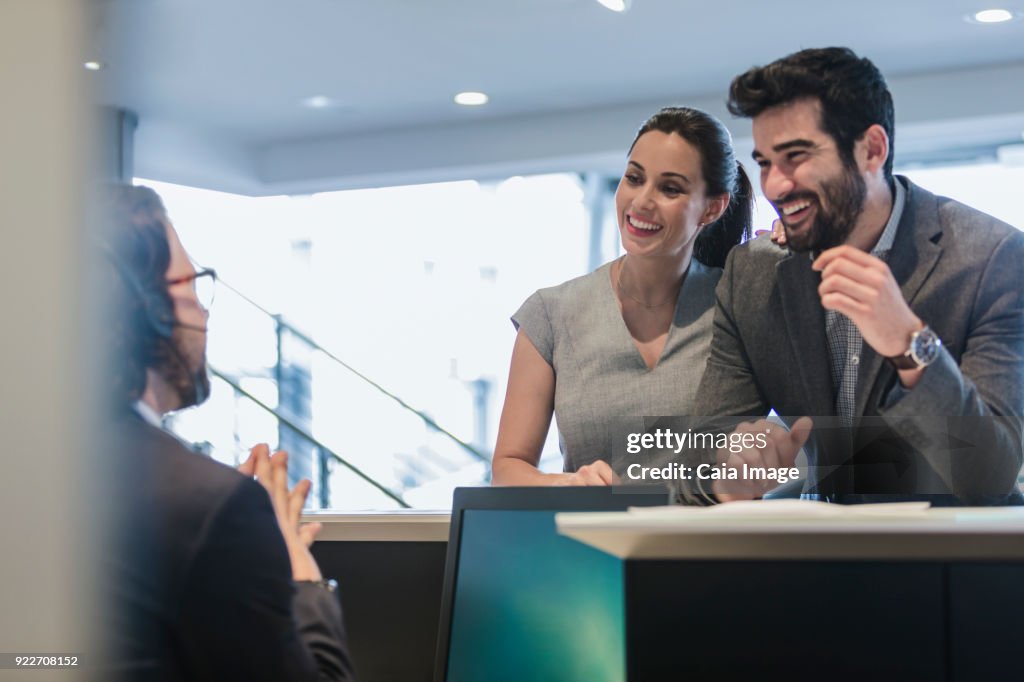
column 138, row 256
column 851, row 90
column 723, row 174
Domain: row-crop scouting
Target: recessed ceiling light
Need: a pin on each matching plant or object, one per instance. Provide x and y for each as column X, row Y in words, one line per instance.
column 616, row 5
column 471, row 99
column 93, row 65
column 992, row 16
column 317, row 102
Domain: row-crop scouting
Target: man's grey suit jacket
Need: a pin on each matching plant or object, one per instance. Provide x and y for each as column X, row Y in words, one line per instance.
column 958, row 431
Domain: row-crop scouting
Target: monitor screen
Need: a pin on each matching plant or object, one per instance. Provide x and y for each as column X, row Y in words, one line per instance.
column 533, row 604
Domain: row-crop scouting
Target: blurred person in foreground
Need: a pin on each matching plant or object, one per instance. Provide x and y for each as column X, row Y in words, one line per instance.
column 212, row 577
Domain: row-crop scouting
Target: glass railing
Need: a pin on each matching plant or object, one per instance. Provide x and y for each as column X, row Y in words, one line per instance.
column 362, row 446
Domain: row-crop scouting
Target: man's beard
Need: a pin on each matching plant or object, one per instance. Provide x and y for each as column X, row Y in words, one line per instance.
column 186, row 376
column 844, row 195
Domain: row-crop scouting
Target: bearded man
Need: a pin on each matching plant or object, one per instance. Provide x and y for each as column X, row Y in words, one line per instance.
column 894, row 320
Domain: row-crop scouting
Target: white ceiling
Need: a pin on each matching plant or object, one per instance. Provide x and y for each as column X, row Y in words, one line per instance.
column 217, row 84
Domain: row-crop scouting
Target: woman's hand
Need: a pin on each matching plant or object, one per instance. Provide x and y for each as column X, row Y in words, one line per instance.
column 272, row 473
column 597, row 472
column 778, row 233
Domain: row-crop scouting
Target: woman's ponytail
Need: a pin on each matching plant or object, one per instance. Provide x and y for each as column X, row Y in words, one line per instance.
column 716, row 240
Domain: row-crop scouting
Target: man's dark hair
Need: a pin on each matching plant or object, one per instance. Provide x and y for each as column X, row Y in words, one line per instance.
column 139, row 256
column 851, row 90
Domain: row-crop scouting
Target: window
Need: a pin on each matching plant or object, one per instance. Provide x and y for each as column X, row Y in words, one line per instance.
column 411, row 287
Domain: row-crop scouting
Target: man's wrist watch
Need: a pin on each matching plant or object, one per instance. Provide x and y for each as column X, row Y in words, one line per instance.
column 923, row 351
column 330, row 584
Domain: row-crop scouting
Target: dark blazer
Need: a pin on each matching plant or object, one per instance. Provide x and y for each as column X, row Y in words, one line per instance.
column 201, row 577
column 958, row 432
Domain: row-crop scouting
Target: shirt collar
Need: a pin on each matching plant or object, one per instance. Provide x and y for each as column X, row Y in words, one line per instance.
column 148, row 414
column 885, row 241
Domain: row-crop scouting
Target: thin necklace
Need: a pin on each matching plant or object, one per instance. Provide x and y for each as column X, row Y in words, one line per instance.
column 648, row 306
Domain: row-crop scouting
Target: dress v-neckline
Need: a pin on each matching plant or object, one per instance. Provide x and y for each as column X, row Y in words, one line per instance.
column 613, row 299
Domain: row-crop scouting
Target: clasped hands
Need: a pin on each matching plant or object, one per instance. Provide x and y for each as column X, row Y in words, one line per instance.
column 271, row 471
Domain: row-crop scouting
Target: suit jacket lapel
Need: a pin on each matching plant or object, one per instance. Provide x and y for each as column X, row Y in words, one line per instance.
column 915, row 252
column 805, row 326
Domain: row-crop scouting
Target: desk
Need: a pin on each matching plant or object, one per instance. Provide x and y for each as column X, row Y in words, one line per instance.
column 935, row 595
column 390, row 569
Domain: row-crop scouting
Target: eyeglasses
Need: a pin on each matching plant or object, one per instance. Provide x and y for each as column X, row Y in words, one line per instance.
column 204, row 283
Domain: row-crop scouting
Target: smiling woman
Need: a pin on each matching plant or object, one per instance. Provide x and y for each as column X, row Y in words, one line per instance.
column 631, row 338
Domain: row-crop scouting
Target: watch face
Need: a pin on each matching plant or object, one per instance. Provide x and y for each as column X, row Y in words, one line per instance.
column 925, row 347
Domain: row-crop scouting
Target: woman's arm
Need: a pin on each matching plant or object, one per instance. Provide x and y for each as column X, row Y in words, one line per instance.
column 525, row 418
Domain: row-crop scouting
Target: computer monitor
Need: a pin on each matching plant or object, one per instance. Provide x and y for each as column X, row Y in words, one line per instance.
column 522, row 602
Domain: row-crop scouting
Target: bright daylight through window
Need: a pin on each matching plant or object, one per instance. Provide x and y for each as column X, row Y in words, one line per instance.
column 404, row 291
column 360, row 297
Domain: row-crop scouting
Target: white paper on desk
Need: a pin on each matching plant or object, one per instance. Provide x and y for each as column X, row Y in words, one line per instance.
column 787, row 509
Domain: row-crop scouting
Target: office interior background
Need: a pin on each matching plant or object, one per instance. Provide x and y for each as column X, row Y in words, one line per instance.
column 373, row 236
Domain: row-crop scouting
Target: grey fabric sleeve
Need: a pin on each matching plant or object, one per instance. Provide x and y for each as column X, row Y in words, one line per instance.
column 242, row 618
column 533, row 320
column 980, row 402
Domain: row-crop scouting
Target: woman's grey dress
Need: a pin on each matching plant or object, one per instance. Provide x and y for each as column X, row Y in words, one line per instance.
column 600, row 375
